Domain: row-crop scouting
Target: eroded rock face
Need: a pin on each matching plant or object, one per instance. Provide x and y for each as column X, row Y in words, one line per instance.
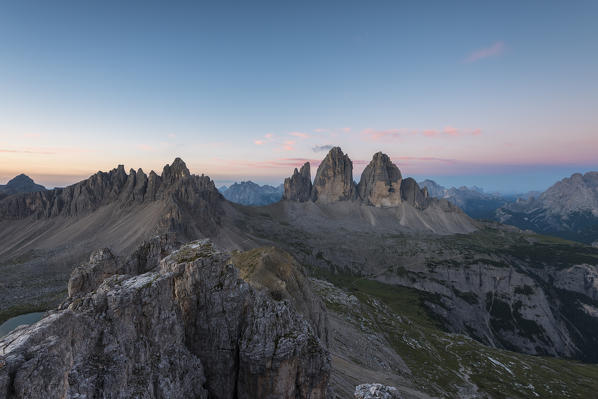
column 298, row 187
column 380, row 183
column 412, row 194
column 376, row 391
column 334, row 179
column 116, row 187
column 189, row 328
column 103, row 264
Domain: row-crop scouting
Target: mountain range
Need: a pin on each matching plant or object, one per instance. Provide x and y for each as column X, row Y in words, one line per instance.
column 250, row 193
column 162, row 287
column 20, row 184
column 568, row 209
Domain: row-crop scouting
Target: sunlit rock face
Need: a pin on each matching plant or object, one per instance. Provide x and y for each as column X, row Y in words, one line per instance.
column 380, row 183
column 334, row 179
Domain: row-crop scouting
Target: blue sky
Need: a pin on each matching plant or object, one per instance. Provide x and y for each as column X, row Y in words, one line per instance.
column 502, row 95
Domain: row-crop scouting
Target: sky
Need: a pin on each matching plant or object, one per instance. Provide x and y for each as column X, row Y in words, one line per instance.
column 503, row 96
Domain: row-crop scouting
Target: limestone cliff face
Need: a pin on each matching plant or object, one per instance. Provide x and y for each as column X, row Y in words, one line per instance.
column 380, row 182
column 189, row 328
column 334, row 179
column 412, row 194
column 298, row 186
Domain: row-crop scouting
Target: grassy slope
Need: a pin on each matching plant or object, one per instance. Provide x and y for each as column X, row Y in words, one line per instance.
column 444, row 363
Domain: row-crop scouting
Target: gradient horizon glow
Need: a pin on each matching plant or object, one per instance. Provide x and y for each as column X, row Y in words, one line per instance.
column 503, row 96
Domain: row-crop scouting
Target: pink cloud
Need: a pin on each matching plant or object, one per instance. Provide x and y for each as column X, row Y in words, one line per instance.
column 430, row 133
column 289, row 145
column 451, row 131
column 346, row 129
column 320, row 130
column 299, row 134
column 267, row 138
column 494, row 50
column 26, row 151
column 476, row 132
column 376, row 135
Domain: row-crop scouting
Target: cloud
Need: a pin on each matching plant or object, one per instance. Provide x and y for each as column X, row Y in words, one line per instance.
column 377, row 135
column 321, row 148
column 267, row 138
column 299, row 134
column 26, row 151
column 320, row 130
column 451, row 131
column 492, row 51
column 346, row 129
column 430, row 133
column 476, row 132
column 171, row 135
column 288, row 145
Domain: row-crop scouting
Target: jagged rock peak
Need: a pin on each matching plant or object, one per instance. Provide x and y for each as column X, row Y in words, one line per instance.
column 334, row 179
column 176, row 171
column 298, row 187
column 111, row 187
column 380, row 182
column 412, row 194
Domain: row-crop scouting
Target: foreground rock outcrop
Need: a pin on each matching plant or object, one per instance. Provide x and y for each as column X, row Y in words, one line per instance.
column 188, row 328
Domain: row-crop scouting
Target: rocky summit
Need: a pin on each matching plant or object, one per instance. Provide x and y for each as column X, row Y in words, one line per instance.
column 20, row 184
column 186, row 327
column 381, row 184
column 567, row 209
column 334, row 179
column 298, row 187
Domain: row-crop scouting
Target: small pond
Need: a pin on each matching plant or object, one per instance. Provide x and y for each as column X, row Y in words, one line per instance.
column 12, row 323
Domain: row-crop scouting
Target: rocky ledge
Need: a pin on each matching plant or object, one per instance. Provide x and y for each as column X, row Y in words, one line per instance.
column 187, row 327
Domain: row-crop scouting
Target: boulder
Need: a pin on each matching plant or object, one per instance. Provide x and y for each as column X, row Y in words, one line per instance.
column 376, row 391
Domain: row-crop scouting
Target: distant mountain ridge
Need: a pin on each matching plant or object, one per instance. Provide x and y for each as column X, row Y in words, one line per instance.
column 20, row 184
column 473, row 200
column 568, row 209
column 250, row 193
